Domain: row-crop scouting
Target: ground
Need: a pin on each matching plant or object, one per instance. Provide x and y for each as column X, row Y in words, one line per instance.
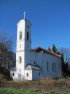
column 44, row 86
column 20, row 91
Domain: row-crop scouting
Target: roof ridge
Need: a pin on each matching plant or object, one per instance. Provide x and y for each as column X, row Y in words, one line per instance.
column 47, row 51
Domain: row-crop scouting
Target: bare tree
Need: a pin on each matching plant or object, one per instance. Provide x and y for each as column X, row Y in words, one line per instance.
column 6, row 54
column 66, row 53
column 6, row 40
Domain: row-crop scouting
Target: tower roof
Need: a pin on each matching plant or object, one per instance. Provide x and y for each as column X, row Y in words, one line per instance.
column 24, row 20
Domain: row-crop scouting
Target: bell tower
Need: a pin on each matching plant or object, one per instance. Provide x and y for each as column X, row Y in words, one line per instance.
column 23, row 35
column 23, row 45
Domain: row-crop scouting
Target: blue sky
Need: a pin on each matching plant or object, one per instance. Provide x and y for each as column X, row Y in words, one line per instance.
column 50, row 20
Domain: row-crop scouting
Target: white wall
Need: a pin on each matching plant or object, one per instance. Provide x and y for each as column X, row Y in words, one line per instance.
column 36, row 74
column 50, row 59
column 29, row 74
column 23, row 47
column 41, row 59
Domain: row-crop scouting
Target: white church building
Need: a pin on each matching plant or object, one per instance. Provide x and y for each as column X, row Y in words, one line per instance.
column 33, row 64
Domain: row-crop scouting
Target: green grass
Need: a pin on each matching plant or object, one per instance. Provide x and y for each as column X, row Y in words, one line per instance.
column 20, row 91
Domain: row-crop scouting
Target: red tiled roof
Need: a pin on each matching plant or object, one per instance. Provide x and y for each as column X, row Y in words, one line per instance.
column 39, row 49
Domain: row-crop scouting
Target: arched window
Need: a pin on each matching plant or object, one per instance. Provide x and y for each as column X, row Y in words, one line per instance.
column 20, row 35
column 54, row 67
column 27, row 74
column 20, row 59
column 28, row 26
column 34, row 62
column 39, row 73
column 13, row 74
column 27, row 35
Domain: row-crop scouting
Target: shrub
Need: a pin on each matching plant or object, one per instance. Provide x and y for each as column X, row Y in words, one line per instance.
column 1, row 77
column 47, row 81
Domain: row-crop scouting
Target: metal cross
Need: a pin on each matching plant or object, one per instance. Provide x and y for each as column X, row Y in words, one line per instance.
column 24, row 14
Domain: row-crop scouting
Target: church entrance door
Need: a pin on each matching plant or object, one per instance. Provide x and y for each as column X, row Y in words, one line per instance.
column 19, row 76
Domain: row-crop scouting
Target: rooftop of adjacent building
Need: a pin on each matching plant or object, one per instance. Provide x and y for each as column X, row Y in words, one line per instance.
column 39, row 49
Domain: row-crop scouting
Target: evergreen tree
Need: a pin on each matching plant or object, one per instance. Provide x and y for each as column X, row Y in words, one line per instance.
column 54, row 49
column 49, row 49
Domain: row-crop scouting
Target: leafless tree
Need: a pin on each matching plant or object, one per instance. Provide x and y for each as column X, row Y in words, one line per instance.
column 6, row 54
column 66, row 53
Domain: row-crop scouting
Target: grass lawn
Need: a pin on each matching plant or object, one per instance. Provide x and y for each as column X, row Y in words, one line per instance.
column 20, row 91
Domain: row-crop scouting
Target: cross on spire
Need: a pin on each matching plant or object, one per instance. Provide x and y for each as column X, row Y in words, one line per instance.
column 24, row 15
